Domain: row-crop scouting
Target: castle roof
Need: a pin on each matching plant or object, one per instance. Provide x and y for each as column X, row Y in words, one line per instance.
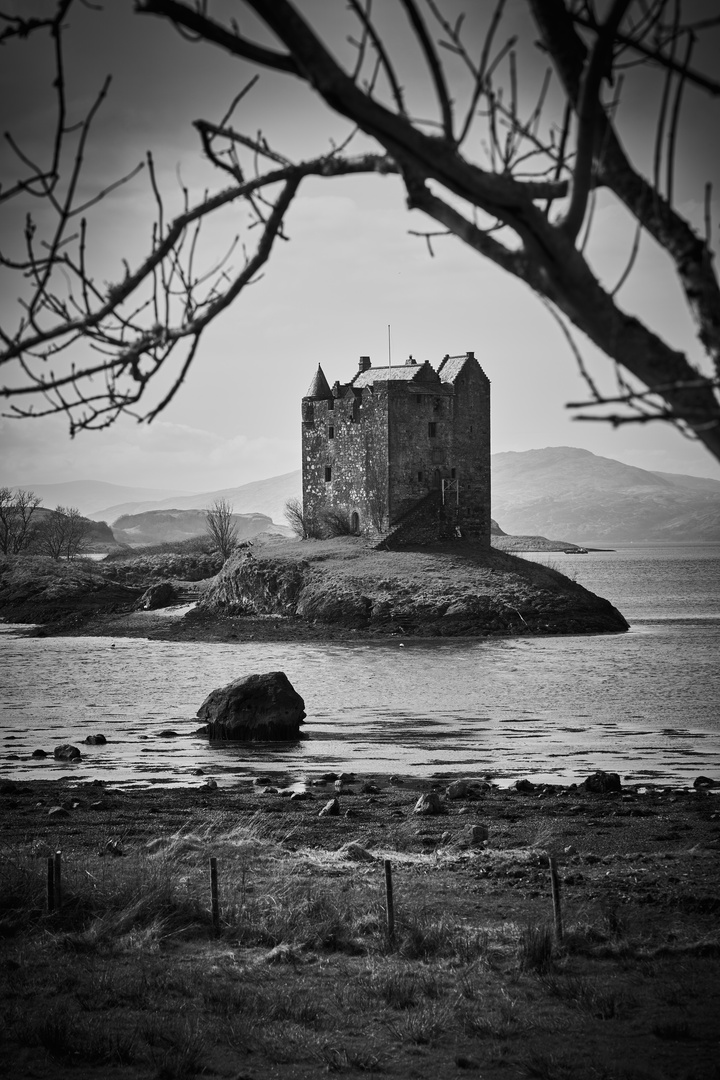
column 451, row 366
column 406, row 373
column 319, row 388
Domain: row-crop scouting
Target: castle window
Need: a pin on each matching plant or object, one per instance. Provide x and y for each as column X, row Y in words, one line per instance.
column 452, row 474
column 418, row 399
column 331, row 404
column 328, row 474
column 420, row 476
column 432, row 430
column 331, row 432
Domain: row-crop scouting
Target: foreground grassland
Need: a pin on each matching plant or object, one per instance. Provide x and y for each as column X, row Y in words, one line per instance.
column 129, row 979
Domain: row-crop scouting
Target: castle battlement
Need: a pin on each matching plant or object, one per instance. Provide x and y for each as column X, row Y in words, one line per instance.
column 401, row 444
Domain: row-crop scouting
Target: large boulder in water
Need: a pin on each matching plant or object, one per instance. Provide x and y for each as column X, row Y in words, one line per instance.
column 257, row 708
column 67, row 752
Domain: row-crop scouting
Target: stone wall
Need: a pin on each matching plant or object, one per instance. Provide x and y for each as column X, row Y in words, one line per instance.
column 420, row 424
column 348, row 437
column 471, row 450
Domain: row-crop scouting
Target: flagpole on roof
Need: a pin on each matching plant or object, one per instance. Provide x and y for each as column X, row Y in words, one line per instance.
column 389, row 349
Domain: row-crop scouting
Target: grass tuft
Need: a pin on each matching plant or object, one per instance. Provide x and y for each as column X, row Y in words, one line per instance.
column 72, row 1038
column 177, row 1049
column 536, row 948
column 585, row 994
column 423, row 1026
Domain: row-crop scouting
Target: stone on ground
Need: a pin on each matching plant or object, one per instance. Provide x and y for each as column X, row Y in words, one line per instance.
column 429, row 803
column 602, row 782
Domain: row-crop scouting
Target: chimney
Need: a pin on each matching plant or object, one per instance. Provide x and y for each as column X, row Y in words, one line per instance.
column 410, row 362
column 471, row 356
column 364, row 363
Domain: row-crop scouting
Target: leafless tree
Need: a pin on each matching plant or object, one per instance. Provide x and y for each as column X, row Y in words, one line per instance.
column 62, row 534
column 16, row 513
column 336, row 522
column 516, row 183
column 303, row 523
column 221, row 527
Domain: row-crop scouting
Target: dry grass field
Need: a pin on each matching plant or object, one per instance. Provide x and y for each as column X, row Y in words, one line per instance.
column 131, row 979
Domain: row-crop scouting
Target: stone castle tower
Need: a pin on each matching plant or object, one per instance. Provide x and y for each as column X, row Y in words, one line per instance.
column 404, row 451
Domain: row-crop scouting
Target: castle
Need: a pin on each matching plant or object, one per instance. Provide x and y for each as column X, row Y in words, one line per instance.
column 402, row 452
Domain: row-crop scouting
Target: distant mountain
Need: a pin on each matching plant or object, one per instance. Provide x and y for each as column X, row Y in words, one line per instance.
column 260, row 497
column 88, row 495
column 559, row 492
column 562, row 491
column 695, row 483
column 165, row 526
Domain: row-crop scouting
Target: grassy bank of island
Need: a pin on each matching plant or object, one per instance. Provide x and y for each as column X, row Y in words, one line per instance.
column 310, row 590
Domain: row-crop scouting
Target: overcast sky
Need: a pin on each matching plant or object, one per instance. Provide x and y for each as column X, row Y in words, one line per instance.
column 350, row 268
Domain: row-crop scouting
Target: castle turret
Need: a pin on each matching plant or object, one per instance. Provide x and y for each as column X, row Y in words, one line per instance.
column 319, row 389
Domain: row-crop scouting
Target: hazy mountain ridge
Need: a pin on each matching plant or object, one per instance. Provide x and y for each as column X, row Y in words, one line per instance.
column 555, row 492
column 258, row 497
column 564, row 491
column 696, row 483
column 88, row 495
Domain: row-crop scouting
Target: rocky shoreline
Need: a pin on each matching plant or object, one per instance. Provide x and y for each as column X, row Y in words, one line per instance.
column 598, row 813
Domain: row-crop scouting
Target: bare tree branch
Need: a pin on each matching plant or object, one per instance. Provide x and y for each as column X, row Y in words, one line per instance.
column 498, row 202
column 598, row 68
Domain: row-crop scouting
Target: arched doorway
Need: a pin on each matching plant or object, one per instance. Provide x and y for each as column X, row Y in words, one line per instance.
column 354, row 523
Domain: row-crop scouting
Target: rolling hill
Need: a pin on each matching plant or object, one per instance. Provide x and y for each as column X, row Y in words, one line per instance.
column 259, row 497
column 558, row 492
column 89, row 495
column 562, row 491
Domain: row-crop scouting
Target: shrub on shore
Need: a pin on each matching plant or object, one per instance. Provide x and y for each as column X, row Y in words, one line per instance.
column 194, row 562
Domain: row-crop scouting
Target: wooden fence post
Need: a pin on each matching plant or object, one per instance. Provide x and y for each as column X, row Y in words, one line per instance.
column 214, row 900
column 557, row 909
column 389, row 903
column 57, row 880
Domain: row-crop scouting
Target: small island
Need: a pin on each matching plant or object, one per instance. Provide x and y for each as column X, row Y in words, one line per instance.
column 314, row 590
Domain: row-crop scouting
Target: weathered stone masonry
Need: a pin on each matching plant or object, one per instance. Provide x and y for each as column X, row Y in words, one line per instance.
column 403, row 451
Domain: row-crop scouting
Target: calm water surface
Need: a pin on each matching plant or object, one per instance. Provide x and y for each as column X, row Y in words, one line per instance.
column 645, row 703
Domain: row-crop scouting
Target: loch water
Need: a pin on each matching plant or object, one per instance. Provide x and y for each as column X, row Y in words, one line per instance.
column 645, row 703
